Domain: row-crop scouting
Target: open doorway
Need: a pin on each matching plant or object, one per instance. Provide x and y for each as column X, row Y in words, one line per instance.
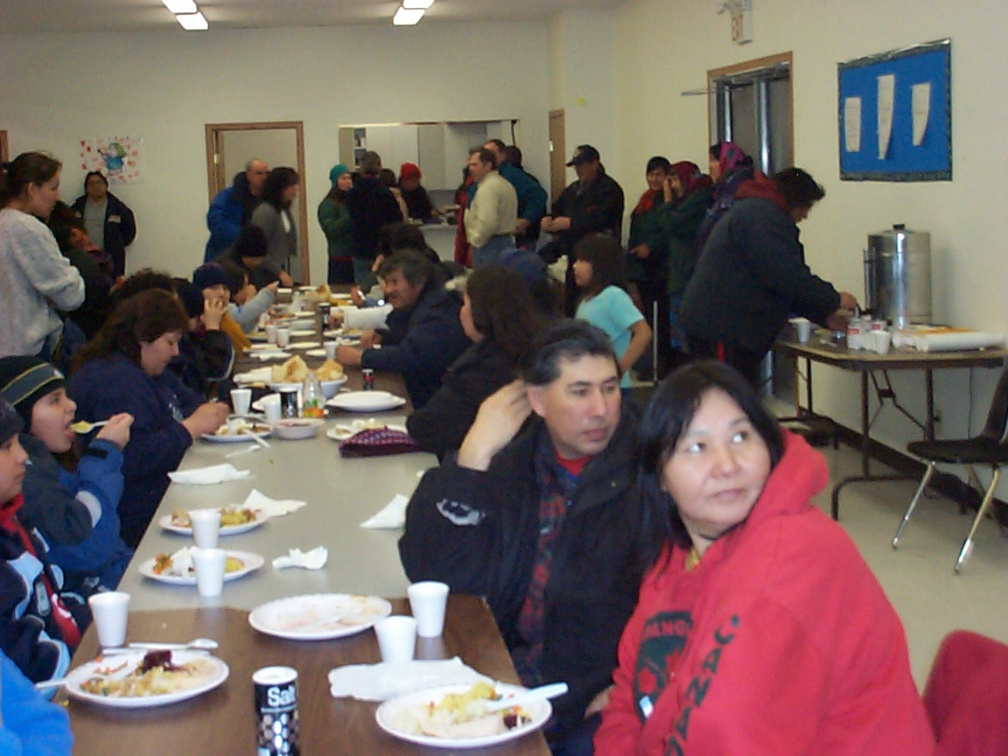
column 229, row 147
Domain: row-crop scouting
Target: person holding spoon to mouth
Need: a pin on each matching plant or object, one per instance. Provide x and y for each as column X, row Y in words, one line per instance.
column 75, row 511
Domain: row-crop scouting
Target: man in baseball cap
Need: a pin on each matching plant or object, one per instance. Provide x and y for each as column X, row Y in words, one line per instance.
column 592, row 204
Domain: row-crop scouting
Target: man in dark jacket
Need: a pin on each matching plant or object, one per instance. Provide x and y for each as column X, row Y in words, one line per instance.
column 752, row 274
column 423, row 336
column 109, row 222
column 232, row 208
column 539, row 517
column 592, row 204
column 371, row 206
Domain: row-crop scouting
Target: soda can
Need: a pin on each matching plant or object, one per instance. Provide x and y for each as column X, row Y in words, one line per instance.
column 288, row 402
column 368, row 375
column 323, row 310
column 276, row 702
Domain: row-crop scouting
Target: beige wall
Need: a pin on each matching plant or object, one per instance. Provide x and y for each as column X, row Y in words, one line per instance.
column 663, row 48
column 164, row 86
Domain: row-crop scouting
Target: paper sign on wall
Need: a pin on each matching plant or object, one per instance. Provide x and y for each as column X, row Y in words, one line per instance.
column 120, row 158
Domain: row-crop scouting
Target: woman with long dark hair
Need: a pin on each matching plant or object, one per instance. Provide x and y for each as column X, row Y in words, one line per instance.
column 759, row 628
column 123, row 369
column 599, row 274
column 274, row 217
column 498, row 314
column 337, row 226
column 34, row 277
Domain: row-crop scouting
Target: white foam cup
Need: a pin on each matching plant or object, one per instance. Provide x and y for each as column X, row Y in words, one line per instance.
column 205, row 527
column 283, row 336
column 241, row 398
column 396, row 638
column 427, row 601
column 209, row 565
column 110, row 611
column 271, row 408
column 330, row 350
column 271, row 333
column 881, row 341
column 803, row 329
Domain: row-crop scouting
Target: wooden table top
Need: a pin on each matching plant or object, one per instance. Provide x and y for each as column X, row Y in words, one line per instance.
column 223, row 721
column 840, row 356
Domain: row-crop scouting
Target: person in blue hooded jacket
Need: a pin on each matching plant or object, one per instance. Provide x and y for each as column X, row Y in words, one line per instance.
column 232, row 208
column 75, row 511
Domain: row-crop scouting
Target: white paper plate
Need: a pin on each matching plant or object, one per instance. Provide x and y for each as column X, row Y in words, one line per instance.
column 315, row 352
column 341, row 432
column 308, row 345
column 366, row 401
column 337, row 333
column 257, row 405
column 301, row 332
column 238, row 438
column 390, row 714
column 226, row 530
column 129, row 662
column 284, row 290
column 251, row 562
column 319, row 616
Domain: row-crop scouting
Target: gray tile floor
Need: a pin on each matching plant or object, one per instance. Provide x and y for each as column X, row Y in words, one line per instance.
column 919, row 578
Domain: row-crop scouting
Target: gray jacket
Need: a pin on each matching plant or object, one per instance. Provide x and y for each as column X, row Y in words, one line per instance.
column 35, row 280
column 281, row 243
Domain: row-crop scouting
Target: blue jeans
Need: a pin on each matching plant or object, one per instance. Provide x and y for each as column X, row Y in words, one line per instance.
column 490, row 252
column 362, row 274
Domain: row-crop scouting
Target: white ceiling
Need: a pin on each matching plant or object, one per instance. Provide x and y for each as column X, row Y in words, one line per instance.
column 27, row 16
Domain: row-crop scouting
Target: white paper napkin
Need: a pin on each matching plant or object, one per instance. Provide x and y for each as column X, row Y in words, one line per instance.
column 271, row 507
column 258, row 375
column 392, row 515
column 265, row 354
column 205, row 476
column 379, row 682
column 311, row 560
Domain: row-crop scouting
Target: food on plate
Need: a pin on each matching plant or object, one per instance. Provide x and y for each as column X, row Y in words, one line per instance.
column 293, row 370
column 319, row 294
column 154, row 676
column 240, row 427
column 462, row 715
column 330, row 371
column 180, row 564
column 230, row 517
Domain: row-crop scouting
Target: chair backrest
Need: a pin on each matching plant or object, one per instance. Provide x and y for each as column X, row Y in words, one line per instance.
column 997, row 416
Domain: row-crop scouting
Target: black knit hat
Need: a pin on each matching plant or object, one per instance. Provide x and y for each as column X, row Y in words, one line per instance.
column 25, row 380
column 190, row 296
column 10, row 422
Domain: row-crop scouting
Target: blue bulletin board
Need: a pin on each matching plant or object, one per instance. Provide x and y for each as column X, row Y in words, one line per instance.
column 895, row 112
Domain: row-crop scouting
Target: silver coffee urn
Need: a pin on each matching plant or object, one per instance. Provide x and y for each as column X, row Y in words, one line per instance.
column 897, row 267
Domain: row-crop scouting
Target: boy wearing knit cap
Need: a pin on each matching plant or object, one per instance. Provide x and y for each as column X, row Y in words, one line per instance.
column 37, row 630
column 75, row 512
column 211, row 280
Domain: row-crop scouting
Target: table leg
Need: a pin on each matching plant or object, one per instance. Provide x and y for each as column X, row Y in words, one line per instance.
column 929, row 420
column 865, row 446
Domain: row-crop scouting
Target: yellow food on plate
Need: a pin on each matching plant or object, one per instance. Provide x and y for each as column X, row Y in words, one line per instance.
column 230, row 517
column 293, row 370
column 463, row 715
column 330, row 371
column 151, row 678
column 239, row 427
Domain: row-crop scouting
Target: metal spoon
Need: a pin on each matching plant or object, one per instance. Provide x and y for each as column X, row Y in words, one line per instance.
column 83, row 427
column 196, row 644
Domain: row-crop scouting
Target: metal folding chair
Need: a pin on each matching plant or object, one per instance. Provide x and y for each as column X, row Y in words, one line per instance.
column 988, row 448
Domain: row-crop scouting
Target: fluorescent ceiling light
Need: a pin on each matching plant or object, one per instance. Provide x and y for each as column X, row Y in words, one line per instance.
column 193, row 22
column 414, row 4
column 405, row 17
column 181, row 6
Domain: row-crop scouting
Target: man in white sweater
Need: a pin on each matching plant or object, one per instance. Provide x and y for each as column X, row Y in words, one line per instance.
column 490, row 218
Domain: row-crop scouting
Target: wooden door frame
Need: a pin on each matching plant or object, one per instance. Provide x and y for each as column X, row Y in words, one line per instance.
column 768, row 61
column 4, row 156
column 215, row 179
column 557, row 187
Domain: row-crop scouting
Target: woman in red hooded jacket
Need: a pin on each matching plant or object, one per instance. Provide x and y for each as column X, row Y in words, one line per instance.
column 759, row 628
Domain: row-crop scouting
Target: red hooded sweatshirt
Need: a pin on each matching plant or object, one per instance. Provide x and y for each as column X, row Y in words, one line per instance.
column 780, row 641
